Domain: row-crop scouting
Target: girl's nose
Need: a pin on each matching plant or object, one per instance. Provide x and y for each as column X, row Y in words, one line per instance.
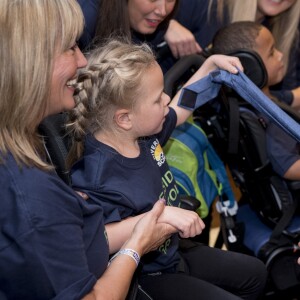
column 166, row 99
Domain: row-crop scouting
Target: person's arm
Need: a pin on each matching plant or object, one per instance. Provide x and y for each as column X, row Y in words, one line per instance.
column 186, row 222
column 228, row 63
column 293, row 172
column 296, row 98
column 181, row 40
column 119, row 232
column 148, row 235
column 299, row 257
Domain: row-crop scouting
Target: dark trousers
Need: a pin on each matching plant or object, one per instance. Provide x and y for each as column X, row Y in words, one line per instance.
column 209, row 273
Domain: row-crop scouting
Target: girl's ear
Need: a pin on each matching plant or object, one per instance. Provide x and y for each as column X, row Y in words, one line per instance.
column 122, row 118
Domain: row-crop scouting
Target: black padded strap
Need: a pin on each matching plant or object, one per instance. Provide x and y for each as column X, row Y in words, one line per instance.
column 283, row 222
column 234, row 118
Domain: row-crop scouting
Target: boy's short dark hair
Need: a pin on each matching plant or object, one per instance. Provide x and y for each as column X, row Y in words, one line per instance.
column 236, row 36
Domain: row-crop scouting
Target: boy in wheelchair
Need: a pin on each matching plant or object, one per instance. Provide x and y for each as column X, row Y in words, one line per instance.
column 283, row 150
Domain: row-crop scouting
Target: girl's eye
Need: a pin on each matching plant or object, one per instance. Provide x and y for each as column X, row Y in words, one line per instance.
column 159, row 100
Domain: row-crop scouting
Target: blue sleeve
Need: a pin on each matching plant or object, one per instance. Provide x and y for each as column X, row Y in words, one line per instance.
column 168, row 127
column 285, row 96
column 298, row 55
column 55, row 247
column 193, row 14
column 283, row 150
column 115, row 206
column 90, row 11
column 101, row 178
column 290, row 79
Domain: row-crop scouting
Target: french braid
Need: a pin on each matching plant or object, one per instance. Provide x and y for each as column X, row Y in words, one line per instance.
column 111, row 80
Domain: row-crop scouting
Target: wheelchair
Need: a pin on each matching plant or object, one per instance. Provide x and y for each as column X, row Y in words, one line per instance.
column 267, row 223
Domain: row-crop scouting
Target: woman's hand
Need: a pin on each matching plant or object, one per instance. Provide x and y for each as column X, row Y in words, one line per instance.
column 188, row 223
column 180, row 40
column 149, row 233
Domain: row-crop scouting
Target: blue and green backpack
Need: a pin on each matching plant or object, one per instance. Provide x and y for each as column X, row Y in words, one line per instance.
column 196, row 167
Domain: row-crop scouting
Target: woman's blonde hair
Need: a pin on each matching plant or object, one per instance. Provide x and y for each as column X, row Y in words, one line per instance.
column 32, row 33
column 283, row 26
column 111, row 80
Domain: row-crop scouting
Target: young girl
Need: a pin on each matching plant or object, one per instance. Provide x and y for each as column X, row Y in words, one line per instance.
column 124, row 118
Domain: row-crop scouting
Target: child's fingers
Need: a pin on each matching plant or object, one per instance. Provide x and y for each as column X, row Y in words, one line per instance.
column 237, row 63
column 232, row 64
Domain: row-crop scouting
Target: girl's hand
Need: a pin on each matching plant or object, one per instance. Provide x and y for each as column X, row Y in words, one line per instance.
column 225, row 62
column 180, row 40
column 188, row 223
column 150, row 232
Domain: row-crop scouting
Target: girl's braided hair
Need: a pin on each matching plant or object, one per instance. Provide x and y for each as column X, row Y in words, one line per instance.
column 111, row 80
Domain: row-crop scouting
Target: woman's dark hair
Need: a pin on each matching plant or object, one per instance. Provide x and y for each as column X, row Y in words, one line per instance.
column 113, row 20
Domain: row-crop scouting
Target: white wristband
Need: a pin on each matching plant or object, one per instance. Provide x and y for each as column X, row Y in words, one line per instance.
column 130, row 252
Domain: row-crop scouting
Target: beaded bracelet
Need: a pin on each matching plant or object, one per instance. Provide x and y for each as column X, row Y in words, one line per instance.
column 130, row 252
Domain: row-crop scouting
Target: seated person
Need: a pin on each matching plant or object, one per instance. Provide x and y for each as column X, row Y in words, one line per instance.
column 175, row 23
column 123, row 117
column 283, row 150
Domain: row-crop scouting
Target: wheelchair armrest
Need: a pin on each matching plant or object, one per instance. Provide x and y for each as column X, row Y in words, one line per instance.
column 189, row 202
column 294, row 185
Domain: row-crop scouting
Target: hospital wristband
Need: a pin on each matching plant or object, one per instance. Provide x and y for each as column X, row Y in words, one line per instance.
column 130, row 252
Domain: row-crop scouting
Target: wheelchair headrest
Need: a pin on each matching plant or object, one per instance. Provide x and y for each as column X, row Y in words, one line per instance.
column 253, row 65
column 180, row 72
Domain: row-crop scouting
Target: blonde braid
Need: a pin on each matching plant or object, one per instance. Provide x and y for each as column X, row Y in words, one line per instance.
column 110, row 81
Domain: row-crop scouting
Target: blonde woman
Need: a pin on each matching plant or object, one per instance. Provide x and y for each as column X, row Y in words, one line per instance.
column 52, row 243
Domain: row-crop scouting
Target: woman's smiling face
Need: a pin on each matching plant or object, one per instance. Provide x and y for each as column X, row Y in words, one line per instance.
column 65, row 67
column 146, row 15
column 273, row 8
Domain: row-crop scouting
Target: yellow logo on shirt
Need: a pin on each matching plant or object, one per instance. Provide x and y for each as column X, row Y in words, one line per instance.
column 157, row 153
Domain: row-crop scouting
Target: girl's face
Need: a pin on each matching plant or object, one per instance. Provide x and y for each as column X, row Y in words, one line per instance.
column 65, row 67
column 272, row 8
column 271, row 57
column 152, row 105
column 146, row 15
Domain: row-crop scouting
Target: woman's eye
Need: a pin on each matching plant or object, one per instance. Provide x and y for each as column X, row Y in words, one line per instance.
column 74, row 47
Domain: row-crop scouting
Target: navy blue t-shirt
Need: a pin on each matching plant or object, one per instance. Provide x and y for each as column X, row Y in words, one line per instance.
column 127, row 187
column 192, row 14
column 52, row 243
column 283, row 150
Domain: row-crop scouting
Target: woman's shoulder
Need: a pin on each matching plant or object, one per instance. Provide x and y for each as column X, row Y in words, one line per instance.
column 38, row 196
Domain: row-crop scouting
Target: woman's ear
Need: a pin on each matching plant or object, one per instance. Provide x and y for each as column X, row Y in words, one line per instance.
column 122, row 118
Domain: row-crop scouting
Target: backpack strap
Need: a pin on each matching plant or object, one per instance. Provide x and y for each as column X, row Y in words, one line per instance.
column 234, row 118
column 277, row 238
column 224, row 187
